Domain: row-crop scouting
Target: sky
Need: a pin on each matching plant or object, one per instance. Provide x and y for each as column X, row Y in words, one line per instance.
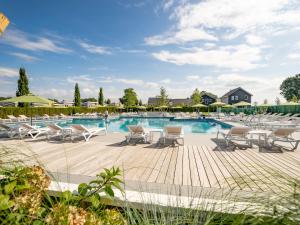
column 212, row 45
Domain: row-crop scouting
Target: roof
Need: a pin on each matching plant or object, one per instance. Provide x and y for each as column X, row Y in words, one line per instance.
column 209, row 94
column 234, row 90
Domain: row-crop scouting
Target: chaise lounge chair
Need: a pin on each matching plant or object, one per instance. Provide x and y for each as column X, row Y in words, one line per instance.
column 236, row 134
column 284, row 135
column 56, row 131
column 174, row 134
column 34, row 132
column 82, row 131
column 137, row 133
column 10, row 131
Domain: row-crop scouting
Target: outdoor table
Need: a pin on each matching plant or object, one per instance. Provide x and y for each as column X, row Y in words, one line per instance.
column 262, row 134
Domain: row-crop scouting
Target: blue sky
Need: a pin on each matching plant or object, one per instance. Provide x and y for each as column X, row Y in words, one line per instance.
column 213, row 45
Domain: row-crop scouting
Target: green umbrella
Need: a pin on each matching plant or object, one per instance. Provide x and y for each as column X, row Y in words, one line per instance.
column 242, row 104
column 228, row 106
column 30, row 98
column 265, row 105
column 199, row 106
column 176, row 107
column 218, row 104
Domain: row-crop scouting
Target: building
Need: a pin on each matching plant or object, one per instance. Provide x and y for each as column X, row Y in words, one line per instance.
column 236, row 95
column 172, row 101
column 208, row 98
column 90, row 104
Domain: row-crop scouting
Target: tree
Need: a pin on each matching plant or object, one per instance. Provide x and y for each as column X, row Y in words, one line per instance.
column 140, row 102
column 196, row 97
column 77, row 101
column 23, row 88
column 266, row 101
column 100, row 97
column 294, row 98
column 290, row 87
column 163, row 97
column 88, row 100
column 277, row 101
column 129, row 98
column 108, row 101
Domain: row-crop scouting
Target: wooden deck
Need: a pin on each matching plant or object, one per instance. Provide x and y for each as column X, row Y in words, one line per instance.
column 196, row 165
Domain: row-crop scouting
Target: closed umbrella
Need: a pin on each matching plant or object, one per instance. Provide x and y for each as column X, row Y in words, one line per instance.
column 30, row 98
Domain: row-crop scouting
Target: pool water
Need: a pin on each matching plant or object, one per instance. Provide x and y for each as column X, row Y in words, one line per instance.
column 120, row 124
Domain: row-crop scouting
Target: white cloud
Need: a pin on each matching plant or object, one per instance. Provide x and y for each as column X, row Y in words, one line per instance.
column 192, row 77
column 23, row 40
column 239, row 57
column 23, row 56
column 131, row 82
column 166, row 81
column 8, row 72
column 294, row 56
column 95, row 49
column 179, row 37
column 239, row 16
column 254, row 39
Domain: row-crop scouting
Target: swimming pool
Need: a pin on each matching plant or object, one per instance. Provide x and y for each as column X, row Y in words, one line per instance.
column 120, row 124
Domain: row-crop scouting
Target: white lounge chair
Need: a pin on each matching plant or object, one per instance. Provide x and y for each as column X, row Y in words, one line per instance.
column 10, row 131
column 284, row 135
column 137, row 133
column 82, row 131
column 236, row 134
column 174, row 134
column 55, row 130
column 12, row 118
column 23, row 118
column 34, row 132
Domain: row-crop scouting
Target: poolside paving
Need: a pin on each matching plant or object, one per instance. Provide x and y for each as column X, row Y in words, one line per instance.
column 203, row 162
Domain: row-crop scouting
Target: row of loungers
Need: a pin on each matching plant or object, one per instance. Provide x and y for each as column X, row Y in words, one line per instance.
column 52, row 131
column 271, row 137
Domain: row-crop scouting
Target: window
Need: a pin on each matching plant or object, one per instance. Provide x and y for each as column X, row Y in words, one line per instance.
column 246, row 97
column 236, row 97
column 232, row 98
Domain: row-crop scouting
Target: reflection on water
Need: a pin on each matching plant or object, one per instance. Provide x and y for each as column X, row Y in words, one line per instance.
column 120, row 125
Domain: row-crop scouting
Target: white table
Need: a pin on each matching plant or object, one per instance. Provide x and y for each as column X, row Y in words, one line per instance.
column 152, row 131
column 262, row 134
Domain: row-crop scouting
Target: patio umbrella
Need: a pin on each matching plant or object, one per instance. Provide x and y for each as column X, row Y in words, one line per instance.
column 142, row 107
column 199, row 106
column 176, row 107
column 228, row 106
column 30, row 98
column 218, row 104
column 242, row 104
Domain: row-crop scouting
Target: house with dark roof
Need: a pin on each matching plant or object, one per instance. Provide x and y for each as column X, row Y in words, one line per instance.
column 208, row 98
column 236, row 95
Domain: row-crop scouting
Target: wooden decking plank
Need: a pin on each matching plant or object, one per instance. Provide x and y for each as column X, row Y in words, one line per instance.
column 178, row 179
column 235, row 175
column 150, row 167
column 203, row 176
column 161, row 178
column 186, row 167
column 156, row 170
column 195, row 179
column 214, row 182
column 216, row 168
column 172, row 167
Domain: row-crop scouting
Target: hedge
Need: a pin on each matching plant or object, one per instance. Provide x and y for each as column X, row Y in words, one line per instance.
column 40, row 111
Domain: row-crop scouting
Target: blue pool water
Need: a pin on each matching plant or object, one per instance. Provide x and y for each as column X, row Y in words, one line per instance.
column 120, row 124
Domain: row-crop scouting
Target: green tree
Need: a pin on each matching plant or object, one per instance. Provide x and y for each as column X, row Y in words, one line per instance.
column 294, row 98
column 163, row 97
column 88, row 100
column 130, row 97
column 196, row 97
column 140, row 102
column 23, row 88
column 108, row 101
column 77, row 101
column 101, row 97
column 290, row 87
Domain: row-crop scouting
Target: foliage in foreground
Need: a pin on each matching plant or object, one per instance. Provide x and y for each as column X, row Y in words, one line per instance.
column 24, row 199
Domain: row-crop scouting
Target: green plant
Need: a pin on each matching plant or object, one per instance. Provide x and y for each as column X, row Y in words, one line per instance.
column 23, row 88
column 77, row 100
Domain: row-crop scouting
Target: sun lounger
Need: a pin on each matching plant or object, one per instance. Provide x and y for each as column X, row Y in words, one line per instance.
column 137, row 133
column 12, row 118
column 55, row 130
column 284, row 135
column 34, row 132
column 87, row 133
column 236, row 134
column 10, row 131
column 174, row 134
